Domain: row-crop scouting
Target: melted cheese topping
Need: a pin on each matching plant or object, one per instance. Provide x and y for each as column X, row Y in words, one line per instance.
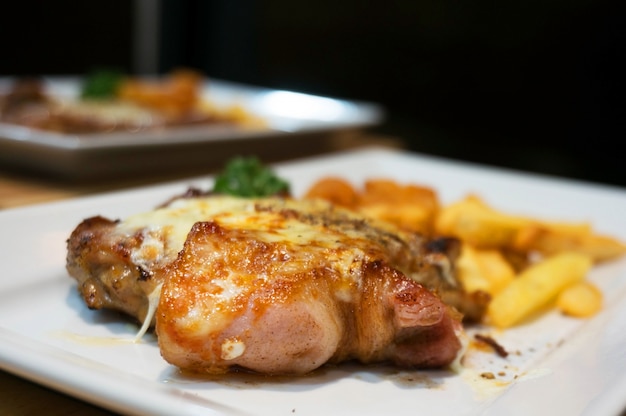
column 153, row 302
column 311, row 232
column 166, row 229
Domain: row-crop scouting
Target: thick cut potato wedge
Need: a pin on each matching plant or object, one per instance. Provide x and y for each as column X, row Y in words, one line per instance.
column 549, row 239
column 474, row 222
column 410, row 206
column 336, row 190
column 484, row 270
column 580, row 300
column 536, row 287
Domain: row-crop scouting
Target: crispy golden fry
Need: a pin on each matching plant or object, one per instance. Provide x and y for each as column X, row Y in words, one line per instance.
column 384, row 190
column 336, row 190
column 550, row 239
column 409, row 206
column 414, row 218
column 581, row 300
column 472, row 221
column 535, row 287
column 483, row 270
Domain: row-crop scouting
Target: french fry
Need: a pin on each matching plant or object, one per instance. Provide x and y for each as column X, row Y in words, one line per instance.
column 414, row 218
column 474, row 222
column 580, row 300
column 384, row 190
column 535, row 287
column 549, row 239
column 409, row 206
column 483, row 270
column 336, row 190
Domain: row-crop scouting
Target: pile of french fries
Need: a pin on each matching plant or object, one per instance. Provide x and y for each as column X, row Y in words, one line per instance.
column 526, row 265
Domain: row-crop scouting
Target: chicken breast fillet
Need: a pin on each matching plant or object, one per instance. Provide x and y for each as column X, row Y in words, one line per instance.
column 272, row 285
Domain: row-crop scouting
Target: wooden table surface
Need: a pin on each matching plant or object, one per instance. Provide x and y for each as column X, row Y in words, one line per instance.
column 21, row 397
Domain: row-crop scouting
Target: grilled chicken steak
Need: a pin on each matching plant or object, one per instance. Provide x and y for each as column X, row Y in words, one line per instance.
column 273, row 285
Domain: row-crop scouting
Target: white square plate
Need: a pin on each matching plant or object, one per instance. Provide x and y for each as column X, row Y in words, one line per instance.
column 556, row 365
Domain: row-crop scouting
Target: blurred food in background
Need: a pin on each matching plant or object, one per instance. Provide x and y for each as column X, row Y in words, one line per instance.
column 111, row 101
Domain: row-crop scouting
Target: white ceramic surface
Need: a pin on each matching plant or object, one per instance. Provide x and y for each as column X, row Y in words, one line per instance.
column 556, row 365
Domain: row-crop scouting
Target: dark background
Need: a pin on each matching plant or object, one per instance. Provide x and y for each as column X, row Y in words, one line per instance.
column 531, row 85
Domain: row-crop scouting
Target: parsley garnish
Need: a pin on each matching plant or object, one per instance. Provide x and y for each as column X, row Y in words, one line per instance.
column 248, row 177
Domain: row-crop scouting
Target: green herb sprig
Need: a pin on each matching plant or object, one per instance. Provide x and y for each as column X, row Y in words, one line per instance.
column 101, row 85
column 248, row 177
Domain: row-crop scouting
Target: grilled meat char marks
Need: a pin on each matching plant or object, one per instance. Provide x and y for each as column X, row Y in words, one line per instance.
column 277, row 286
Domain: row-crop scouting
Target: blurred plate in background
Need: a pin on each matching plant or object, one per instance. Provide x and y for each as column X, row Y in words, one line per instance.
column 293, row 123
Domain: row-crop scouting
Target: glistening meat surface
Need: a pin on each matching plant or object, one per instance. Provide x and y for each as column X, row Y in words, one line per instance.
column 274, row 285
